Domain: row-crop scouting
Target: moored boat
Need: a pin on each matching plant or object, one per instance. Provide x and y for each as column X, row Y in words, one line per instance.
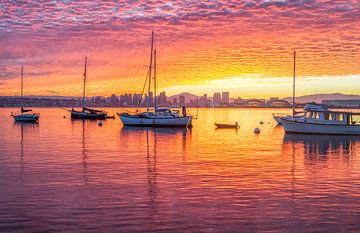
column 87, row 113
column 227, row 126
column 318, row 119
column 278, row 116
column 157, row 116
column 25, row 115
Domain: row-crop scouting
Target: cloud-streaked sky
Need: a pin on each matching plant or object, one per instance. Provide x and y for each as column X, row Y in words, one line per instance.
column 202, row 46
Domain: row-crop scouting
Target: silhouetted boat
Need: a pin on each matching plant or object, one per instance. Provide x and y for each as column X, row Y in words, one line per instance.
column 25, row 115
column 228, row 126
column 157, row 117
column 87, row 113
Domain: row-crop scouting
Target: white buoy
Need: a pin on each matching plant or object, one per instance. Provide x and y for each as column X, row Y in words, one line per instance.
column 261, row 122
column 100, row 123
column 256, row 130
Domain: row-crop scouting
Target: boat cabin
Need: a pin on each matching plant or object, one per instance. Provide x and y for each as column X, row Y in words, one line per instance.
column 316, row 113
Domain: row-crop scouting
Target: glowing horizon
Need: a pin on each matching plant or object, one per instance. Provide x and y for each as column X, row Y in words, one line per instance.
column 203, row 46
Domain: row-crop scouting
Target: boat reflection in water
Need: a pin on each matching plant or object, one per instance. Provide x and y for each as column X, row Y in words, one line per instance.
column 324, row 145
column 157, row 141
column 25, row 128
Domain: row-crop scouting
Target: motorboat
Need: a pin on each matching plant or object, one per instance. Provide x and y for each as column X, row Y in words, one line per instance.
column 318, row 119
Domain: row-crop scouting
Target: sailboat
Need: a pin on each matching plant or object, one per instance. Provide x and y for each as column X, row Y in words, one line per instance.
column 278, row 116
column 158, row 116
column 25, row 115
column 87, row 113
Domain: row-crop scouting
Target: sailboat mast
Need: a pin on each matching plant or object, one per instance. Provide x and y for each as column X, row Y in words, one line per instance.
column 22, row 87
column 83, row 98
column 150, row 68
column 293, row 101
column 22, row 81
column 155, row 79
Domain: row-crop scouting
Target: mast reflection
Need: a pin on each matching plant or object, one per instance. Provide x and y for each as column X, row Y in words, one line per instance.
column 24, row 126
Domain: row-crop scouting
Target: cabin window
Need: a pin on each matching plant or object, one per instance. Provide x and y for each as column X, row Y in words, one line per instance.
column 328, row 117
column 341, row 117
column 315, row 115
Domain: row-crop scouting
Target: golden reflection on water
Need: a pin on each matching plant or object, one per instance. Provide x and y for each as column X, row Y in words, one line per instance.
column 157, row 178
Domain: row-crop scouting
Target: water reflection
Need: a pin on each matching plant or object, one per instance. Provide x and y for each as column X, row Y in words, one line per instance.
column 323, row 145
column 25, row 128
column 151, row 177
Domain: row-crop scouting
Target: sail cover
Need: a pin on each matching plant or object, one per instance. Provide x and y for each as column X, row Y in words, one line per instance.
column 25, row 110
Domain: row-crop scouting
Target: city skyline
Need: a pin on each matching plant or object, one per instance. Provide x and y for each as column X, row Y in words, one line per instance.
column 248, row 48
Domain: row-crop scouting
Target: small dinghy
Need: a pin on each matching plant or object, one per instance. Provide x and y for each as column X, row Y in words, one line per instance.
column 227, row 126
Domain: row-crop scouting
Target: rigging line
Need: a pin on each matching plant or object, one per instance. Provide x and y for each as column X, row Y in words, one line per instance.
column 142, row 92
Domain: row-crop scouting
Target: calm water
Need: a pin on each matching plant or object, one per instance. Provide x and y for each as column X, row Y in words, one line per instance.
column 64, row 175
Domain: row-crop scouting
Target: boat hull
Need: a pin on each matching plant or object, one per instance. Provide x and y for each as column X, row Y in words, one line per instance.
column 278, row 120
column 26, row 118
column 84, row 115
column 178, row 122
column 226, row 126
column 291, row 126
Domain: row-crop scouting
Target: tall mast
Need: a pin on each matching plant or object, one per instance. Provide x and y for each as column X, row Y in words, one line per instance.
column 22, row 87
column 22, row 81
column 83, row 98
column 293, row 102
column 155, row 78
column 150, row 68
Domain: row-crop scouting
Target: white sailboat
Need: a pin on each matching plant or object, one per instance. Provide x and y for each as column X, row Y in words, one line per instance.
column 157, row 117
column 25, row 115
column 278, row 116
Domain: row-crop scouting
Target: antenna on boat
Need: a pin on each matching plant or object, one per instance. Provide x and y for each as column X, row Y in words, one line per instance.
column 150, row 68
column 293, row 102
column 83, row 99
column 155, row 79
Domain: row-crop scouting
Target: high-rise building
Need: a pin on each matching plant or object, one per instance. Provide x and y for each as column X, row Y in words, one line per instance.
column 175, row 101
column 182, row 100
column 162, row 98
column 225, row 97
column 216, row 98
column 203, row 101
column 136, row 99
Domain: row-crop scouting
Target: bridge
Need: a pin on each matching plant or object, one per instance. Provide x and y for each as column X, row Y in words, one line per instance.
column 278, row 103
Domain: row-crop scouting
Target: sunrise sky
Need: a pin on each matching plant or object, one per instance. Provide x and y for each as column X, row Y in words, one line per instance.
column 244, row 47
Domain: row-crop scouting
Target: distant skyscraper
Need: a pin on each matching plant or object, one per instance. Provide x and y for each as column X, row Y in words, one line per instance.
column 216, row 98
column 225, row 97
column 162, row 98
column 151, row 99
column 175, row 101
column 136, row 99
column 182, row 100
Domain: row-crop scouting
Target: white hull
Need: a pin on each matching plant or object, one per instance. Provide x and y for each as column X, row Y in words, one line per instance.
column 156, row 122
column 26, row 118
column 278, row 120
column 291, row 126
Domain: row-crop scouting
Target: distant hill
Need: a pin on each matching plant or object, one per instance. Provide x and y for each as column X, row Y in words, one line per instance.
column 320, row 97
column 188, row 96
